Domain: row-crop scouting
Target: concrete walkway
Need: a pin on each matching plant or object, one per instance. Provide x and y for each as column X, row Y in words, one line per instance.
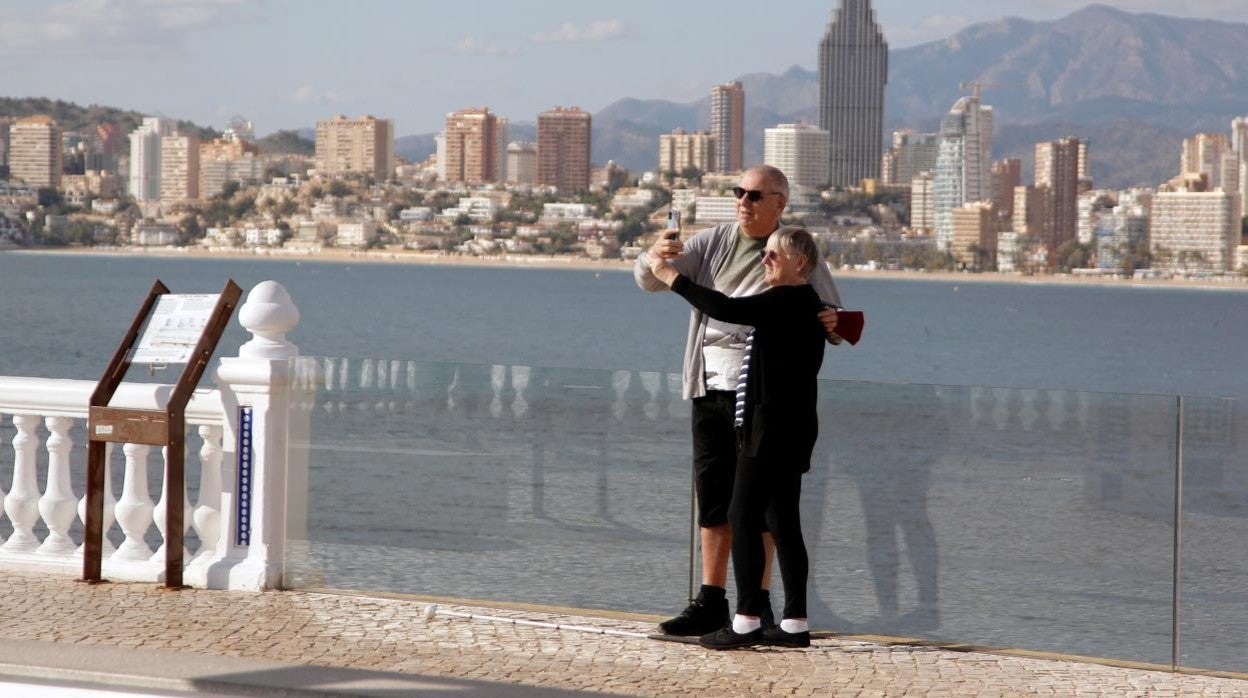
column 138, row 638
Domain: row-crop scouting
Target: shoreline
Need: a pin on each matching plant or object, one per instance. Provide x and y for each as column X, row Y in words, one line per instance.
column 338, row 256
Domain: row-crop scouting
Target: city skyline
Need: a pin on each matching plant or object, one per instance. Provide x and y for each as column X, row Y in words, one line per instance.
column 286, row 66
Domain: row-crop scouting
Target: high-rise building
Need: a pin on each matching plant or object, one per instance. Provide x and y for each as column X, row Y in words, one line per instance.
column 1202, row 154
column 501, row 140
column 472, row 146
column 1057, row 169
column 963, row 173
column 179, row 169
column 521, row 162
column 853, row 69
column 4, row 142
column 921, row 202
column 1120, row 230
column 800, row 151
column 912, row 153
column 1031, row 210
column 1194, row 230
column 974, row 241
column 1006, row 175
column 364, row 145
column 227, row 160
column 563, row 147
column 728, row 126
column 145, row 158
column 679, row 150
column 1239, row 136
column 35, row 151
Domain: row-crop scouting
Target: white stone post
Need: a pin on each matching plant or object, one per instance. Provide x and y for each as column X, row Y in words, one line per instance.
column 250, row 550
column 207, row 514
column 134, row 509
column 110, row 502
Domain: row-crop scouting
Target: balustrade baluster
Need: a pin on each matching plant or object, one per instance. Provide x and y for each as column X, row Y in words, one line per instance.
column 158, row 513
column 134, row 509
column 110, row 502
column 3, row 494
column 520, row 382
column 58, row 504
column 207, row 516
column 22, row 501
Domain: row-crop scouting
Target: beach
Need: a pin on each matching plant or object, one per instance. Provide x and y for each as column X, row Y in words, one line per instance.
column 522, row 261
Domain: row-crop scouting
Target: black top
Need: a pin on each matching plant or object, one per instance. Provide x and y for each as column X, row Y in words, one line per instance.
column 781, row 423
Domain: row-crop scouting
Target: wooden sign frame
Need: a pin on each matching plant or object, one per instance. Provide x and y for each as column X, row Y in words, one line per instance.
column 165, row 428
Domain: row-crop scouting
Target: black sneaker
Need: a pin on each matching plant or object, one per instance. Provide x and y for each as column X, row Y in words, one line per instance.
column 727, row 639
column 699, row 618
column 777, row 637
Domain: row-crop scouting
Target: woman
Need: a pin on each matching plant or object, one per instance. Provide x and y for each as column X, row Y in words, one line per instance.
column 776, row 430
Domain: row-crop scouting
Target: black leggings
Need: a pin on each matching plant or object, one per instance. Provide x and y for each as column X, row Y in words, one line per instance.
column 767, row 497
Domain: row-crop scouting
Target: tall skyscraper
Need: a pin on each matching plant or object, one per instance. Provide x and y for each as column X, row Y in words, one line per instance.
column 800, row 151
column 963, row 169
column 364, row 145
column 35, row 151
column 911, row 153
column 472, row 146
column 145, row 158
column 1057, row 170
column 853, row 69
column 1239, row 136
column 1006, row 175
column 563, row 147
column 728, row 126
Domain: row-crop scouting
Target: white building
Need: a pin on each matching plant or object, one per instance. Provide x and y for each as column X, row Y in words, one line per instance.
column 477, row 208
column 1194, row 230
column 263, row 237
column 800, row 151
column 1119, row 231
column 963, row 164
column 145, row 158
column 355, row 233
column 564, row 211
column 715, row 209
column 1007, row 252
column 153, row 234
column 416, row 213
column 521, row 162
column 638, row 198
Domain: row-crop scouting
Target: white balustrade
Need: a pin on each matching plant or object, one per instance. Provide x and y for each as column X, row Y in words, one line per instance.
column 58, row 505
column 265, row 380
column 22, row 501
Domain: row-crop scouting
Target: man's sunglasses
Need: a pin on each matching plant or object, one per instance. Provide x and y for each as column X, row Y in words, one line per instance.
column 751, row 194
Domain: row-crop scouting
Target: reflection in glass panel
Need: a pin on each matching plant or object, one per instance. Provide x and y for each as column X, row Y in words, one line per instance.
column 1214, row 603
column 1024, row 518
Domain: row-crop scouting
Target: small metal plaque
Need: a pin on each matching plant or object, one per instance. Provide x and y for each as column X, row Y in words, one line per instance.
column 128, row 426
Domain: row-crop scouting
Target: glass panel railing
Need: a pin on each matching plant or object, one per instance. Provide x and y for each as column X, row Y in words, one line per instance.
column 1213, row 613
column 1031, row 519
column 554, row 486
column 1034, row 519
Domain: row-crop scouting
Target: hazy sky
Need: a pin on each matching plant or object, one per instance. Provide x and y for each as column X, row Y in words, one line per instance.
column 286, row 63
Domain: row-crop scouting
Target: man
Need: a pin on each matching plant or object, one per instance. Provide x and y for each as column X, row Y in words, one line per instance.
column 728, row 258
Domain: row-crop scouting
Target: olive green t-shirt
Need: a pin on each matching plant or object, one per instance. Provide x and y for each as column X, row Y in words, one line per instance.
column 724, row 345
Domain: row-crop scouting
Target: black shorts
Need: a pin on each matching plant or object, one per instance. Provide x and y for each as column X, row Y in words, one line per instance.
column 714, row 455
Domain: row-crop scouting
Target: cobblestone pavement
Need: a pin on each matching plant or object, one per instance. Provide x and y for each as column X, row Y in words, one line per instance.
column 392, row 634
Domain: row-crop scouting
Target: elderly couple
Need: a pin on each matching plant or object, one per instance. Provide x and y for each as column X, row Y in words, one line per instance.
column 755, row 345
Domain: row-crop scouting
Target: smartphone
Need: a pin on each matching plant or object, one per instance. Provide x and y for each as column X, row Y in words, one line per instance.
column 673, row 225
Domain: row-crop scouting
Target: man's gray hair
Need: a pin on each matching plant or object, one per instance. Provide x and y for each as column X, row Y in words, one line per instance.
column 798, row 241
column 775, row 176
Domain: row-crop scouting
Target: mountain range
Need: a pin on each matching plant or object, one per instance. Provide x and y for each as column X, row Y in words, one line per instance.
column 1133, row 85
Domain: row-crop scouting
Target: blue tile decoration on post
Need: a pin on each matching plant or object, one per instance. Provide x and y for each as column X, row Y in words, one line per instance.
column 243, row 537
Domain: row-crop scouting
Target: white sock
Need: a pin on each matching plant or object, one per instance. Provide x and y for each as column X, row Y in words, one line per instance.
column 745, row 624
column 794, row 625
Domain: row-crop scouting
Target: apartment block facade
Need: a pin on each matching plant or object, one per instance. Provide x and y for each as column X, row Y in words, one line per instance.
column 563, row 148
column 35, row 151
column 364, row 145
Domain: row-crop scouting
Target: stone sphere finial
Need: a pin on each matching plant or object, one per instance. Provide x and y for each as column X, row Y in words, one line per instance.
column 268, row 314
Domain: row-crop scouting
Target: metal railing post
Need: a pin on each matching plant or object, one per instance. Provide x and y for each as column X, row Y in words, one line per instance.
column 1177, row 572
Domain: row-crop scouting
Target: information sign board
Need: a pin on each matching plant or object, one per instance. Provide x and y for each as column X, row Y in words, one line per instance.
column 174, row 328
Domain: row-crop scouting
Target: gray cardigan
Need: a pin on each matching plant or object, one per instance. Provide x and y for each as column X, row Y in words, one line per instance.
column 704, row 255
